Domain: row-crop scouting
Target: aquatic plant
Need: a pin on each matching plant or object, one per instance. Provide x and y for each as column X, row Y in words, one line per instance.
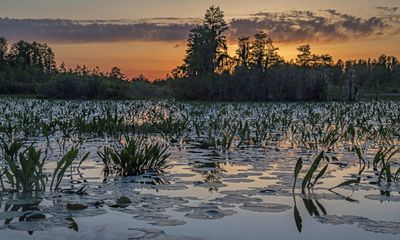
column 173, row 127
column 382, row 166
column 62, row 166
column 382, row 159
column 24, row 167
column 133, row 157
column 307, row 183
column 263, row 130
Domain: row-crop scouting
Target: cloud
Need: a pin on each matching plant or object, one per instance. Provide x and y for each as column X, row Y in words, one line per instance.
column 387, row 9
column 69, row 31
column 300, row 26
column 284, row 27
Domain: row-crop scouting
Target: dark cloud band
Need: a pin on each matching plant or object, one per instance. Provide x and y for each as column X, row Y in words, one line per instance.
column 298, row 26
column 293, row 26
column 68, row 31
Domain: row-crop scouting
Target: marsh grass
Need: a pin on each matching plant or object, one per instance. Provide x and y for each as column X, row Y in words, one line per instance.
column 24, row 167
column 308, row 182
column 172, row 127
column 222, row 127
column 381, row 164
column 133, row 157
column 224, row 131
column 62, row 166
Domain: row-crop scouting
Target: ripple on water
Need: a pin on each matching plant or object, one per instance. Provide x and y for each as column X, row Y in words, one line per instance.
column 367, row 224
column 383, row 198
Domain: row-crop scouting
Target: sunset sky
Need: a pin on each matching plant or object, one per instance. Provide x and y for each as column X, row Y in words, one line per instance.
column 148, row 36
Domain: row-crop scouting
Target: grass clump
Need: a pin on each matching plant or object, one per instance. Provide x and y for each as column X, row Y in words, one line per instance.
column 133, row 157
column 24, row 171
column 24, row 167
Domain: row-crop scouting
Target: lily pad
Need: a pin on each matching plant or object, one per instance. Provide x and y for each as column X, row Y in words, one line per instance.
column 265, row 207
column 208, row 212
column 168, row 222
column 76, row 206
column 123, row 200
column 151, row 216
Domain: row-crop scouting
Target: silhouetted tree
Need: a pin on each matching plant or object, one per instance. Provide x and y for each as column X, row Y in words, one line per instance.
column 24, row 54
column 116, row 73
column 272, row 58
column 263, row 53
column 3, row 52
column 207, row 47
column 304, row 57
column 259, row 50
column 243, row 52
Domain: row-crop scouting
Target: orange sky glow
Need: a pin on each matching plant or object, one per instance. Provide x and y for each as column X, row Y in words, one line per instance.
column 156, row 59
column 148, row 37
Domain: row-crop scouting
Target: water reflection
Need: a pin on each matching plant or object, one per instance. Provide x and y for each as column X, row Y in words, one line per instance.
column 318, row 211
column 181, row 201
column 25, row 212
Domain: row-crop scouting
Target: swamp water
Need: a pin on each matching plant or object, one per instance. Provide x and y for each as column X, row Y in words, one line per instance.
column 243, row 191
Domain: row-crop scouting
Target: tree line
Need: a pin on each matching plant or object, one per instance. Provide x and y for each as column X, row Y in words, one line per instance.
column 30, row 68
column 256, row 73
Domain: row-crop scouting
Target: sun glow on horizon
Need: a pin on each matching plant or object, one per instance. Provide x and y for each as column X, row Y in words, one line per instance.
column 152, row 59
column 157, row 59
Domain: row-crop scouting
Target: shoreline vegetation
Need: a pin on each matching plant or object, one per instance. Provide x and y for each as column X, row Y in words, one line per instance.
column 256, row 73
